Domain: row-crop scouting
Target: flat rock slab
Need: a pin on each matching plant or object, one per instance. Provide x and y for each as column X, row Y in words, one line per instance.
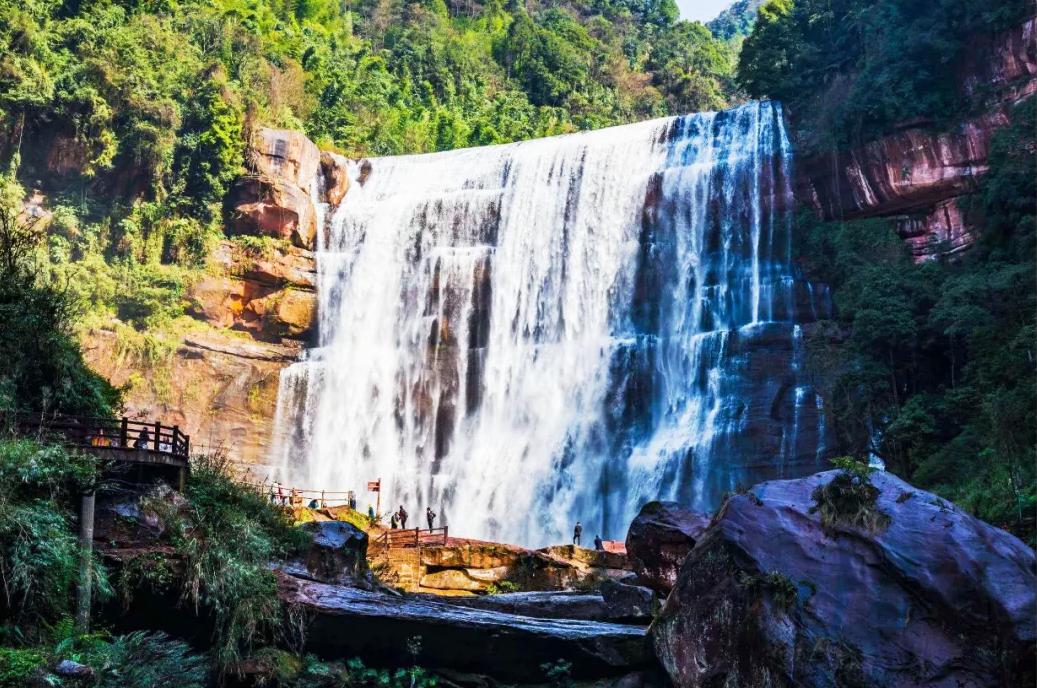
column 347, row 622
column 541, row 605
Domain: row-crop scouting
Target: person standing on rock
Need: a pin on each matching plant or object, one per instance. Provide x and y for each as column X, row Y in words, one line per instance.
column 402, row 513
column 430, row 515
column 577, row 532
column 598, row 544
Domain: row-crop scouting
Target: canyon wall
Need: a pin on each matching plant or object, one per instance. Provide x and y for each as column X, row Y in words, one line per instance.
column 251, row 311
column 919, row 175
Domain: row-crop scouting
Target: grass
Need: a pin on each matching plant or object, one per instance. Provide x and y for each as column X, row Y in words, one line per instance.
column 850, row 499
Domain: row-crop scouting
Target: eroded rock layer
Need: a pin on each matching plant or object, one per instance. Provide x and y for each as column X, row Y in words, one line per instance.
column 920, row 175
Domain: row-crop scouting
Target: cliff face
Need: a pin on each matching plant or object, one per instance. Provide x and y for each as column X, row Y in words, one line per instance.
column 220, row 381
column 253, row 308
column 919, row 176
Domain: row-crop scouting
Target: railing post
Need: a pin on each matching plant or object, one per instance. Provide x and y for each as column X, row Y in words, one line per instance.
column 173, row 442
column 158, row 434
column 124, row 432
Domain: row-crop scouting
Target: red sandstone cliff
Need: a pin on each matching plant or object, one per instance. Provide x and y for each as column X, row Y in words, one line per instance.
column 919, row 176
column 252, row 309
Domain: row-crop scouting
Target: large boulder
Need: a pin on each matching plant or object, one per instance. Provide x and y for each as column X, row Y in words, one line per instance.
column 279, row 197
column 285, row 154
column 780, row 593
column 658, row 541
column 338, row 553
column 335, row 169
column 625, row 602
column 263, row 205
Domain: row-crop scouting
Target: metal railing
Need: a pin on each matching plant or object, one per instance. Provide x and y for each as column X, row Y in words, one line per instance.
column 415, row 537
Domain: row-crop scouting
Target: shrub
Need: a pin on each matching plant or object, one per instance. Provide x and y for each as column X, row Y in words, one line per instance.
column 776, row 584
column 148, row 660
column 226, row 535
column 849, row 498
column 18, row 667
column 502, row 587
column 39, row 551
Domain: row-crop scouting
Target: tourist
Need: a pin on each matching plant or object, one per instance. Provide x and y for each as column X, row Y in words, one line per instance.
column 577, row 532
column 430, row 515
column 143, row 439
column 598, row 544
column 280, row 494
column 370, row 512
column 394, row 521
column 274, row 488
column 99, row 440
column 351, row 496
column 314, row 504
column 402, row 513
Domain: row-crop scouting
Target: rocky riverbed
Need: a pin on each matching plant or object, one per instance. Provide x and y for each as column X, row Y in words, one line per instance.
column 778, row 588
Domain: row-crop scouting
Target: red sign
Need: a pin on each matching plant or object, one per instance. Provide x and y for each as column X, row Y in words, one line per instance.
column 376, row 486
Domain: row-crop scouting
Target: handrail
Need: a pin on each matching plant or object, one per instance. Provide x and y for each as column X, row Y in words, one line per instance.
column 86, row 432
column 415, row 537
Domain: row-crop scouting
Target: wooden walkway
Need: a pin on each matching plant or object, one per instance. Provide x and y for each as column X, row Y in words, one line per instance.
column 120, row 440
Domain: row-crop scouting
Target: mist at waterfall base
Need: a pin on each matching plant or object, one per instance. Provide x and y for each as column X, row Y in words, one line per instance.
column 525, row 335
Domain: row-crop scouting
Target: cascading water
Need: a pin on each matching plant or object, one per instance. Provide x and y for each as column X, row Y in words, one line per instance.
column 530, row 334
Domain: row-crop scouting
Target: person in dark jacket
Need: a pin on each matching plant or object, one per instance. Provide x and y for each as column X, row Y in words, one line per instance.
column 598, row 544
column 143, row 440
column 430, row 516
column 402, row 513
column 577, row 532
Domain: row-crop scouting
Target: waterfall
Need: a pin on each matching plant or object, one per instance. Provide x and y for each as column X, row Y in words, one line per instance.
column 529, row 334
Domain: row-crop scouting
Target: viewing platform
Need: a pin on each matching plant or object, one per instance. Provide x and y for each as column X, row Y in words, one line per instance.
column 122, row 441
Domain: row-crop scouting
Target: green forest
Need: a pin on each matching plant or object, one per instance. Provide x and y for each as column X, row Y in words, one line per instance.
column 131, row 117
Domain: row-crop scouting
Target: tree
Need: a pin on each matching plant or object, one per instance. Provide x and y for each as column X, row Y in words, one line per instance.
column 41, row 366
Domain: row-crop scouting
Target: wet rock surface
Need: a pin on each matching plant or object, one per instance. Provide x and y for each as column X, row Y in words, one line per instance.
column 659, row 539
column 350, row 622
column 338, row 553
column 625, row 602
column 772, row 597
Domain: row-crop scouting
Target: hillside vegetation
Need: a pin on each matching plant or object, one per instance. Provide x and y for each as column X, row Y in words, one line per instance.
column 929, row 367
column 150, row 98
column 131, row 116
column 849, row 70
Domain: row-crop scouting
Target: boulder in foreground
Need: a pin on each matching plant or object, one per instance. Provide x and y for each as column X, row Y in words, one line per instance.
column 658, row 541
column 920, row 594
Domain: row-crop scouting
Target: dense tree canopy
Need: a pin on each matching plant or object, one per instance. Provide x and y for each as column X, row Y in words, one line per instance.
column 849, row 69
column 131, row 115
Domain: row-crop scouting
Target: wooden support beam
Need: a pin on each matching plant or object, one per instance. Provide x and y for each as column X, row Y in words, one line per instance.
column 86, row 562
